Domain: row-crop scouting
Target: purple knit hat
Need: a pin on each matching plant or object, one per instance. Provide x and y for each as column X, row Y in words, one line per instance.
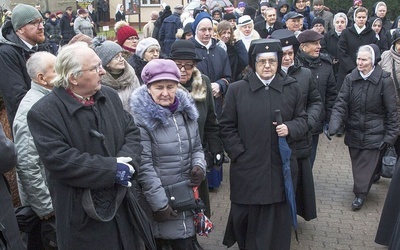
column 160, row 69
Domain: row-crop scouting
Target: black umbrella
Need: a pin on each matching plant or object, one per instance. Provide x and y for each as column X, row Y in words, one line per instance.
column 137, row 216
column 286, row 153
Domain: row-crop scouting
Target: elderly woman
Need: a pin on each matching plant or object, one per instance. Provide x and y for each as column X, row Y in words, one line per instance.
column 237, row 53
column 260, row 215
column 172, row 152
column 83, row 24
column 127, row 38
column 119, row 74
column 246, row 31
column 146, row 50
column 366, row 104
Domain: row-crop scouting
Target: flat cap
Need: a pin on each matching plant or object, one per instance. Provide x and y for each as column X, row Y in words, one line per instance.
column 309, row 36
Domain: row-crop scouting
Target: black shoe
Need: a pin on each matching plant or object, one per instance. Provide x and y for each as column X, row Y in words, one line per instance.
column 357, row 203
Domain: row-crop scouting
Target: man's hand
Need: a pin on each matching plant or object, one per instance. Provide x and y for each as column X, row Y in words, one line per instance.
column 216, row 89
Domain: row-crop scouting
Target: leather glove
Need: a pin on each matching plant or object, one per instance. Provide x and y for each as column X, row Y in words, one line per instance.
column 383, row 145
column 326, row 131
column 48, row 233
column 164, row 214
column 196, row 176
column 219, row 159
column 124, row 171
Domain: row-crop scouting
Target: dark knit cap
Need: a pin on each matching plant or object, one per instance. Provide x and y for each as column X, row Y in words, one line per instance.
column 229, row 16
column 200, row 17
column 317, row 20
column 309, row 36
column 187, row 29
column 183, row 50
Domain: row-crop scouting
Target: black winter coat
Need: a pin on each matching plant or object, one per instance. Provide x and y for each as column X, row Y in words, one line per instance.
column 8, row 224
column 312, row 105
column 321, row 68
column 250, row 138
column 368, row 110
column 14, row 80
column 329, row 46
column 53, row 31
column 75, row 160
column 157, row 24
column 137, row 64
column 67, row 31
column 348, row 45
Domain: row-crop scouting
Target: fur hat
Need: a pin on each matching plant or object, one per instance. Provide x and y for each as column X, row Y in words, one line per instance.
column 309, row 36
column 124, row 33
column 183, row 50
column 144, row 44
column 160, row 69
column 106, row 50
column 23, row 14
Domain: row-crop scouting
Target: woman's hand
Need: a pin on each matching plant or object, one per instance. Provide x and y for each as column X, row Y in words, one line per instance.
column 164, row 214
column 196, row 176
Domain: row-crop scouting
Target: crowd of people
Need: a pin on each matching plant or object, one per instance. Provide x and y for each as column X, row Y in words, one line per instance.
column 104, row 131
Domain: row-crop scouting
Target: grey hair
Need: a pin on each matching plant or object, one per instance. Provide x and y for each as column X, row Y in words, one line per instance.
column 369, row 49
column 37, row 63
column 68, row 64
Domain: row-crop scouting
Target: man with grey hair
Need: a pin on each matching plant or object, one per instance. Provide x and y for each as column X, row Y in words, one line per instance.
column 32, row 183
column 89, row 146
column 18, row 40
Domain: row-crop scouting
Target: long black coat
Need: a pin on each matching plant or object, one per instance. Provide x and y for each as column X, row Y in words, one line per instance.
column 368, row 110
column 250, row 138
column 67, row 31
column 321, row 68
column 329, row 45
column 8, row 224
column 348, row 45
column 75, row 160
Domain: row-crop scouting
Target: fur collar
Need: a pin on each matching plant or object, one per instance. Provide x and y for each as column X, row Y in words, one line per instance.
column 197, row 89
column 153, row 115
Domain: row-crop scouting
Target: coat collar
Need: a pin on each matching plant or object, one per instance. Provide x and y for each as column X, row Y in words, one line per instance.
column 373, row 78
column 280, row 80
column 71, row 103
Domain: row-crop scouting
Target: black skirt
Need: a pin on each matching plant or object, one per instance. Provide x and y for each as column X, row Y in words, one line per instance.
column 259, row 226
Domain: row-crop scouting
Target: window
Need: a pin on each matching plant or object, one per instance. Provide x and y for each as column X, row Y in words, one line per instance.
column 150, row 2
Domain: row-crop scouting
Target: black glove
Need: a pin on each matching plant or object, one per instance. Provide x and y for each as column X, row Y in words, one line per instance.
column 196, row 176
column 219, row 159
column 164, row 214
column 384, row 145
column 48, row 233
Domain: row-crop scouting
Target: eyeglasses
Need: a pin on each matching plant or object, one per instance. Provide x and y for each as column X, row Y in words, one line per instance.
column 37, row 22
column 269, row 61
column 118, row 57
column 94, row 68
column 133, row 38
column 187, row 66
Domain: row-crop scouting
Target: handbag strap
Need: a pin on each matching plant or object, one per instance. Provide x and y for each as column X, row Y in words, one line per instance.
column 189, row 138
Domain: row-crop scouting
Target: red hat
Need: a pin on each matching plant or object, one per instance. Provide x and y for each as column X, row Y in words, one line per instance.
column 52, row 16
column 58, row 13
column 124, row 33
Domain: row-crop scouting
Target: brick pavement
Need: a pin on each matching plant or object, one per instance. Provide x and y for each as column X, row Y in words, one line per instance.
column 337, row 226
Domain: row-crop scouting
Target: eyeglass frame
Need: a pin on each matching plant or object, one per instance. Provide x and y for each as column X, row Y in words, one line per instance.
column 187, row 66
column 118, row 57
column 95, row 68
column 37, row 22
column 270, row 62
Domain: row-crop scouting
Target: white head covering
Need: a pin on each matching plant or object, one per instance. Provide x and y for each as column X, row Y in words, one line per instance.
column 118, row 7
column 378, row 5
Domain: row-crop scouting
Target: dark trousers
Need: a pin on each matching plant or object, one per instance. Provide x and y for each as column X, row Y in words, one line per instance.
column 315, row 139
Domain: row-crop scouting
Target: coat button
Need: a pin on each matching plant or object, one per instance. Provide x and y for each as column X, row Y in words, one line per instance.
column 266, row 87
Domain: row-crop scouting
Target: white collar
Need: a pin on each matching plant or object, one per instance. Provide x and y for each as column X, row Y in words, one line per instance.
column 359, row 30
column 265, row 82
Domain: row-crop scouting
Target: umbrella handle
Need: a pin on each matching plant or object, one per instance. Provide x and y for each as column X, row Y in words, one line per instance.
column 278, row 117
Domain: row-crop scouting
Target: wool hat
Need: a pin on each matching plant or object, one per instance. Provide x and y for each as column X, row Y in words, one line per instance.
column 244, row 20
column 58, row 13
column 144, row 44
column 154, row 15
column 287, row 38
column 396, row 36
column 318, row 2
column 106, row 50
column 52, row 16
column 183, row 50
column 292, row 15
column 82, row 11
column 229, row 16
column 355, row 2
column 262, row 46
column 160, row 69
column 187, row 29
column 317, row 20
column 23, row 14
column 309, row 36
column 241, row 4
column 124, row 33
column 198, row 19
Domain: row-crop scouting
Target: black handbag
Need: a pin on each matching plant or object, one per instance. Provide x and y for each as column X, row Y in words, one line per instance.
column 389, row 161
column 181, row 196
